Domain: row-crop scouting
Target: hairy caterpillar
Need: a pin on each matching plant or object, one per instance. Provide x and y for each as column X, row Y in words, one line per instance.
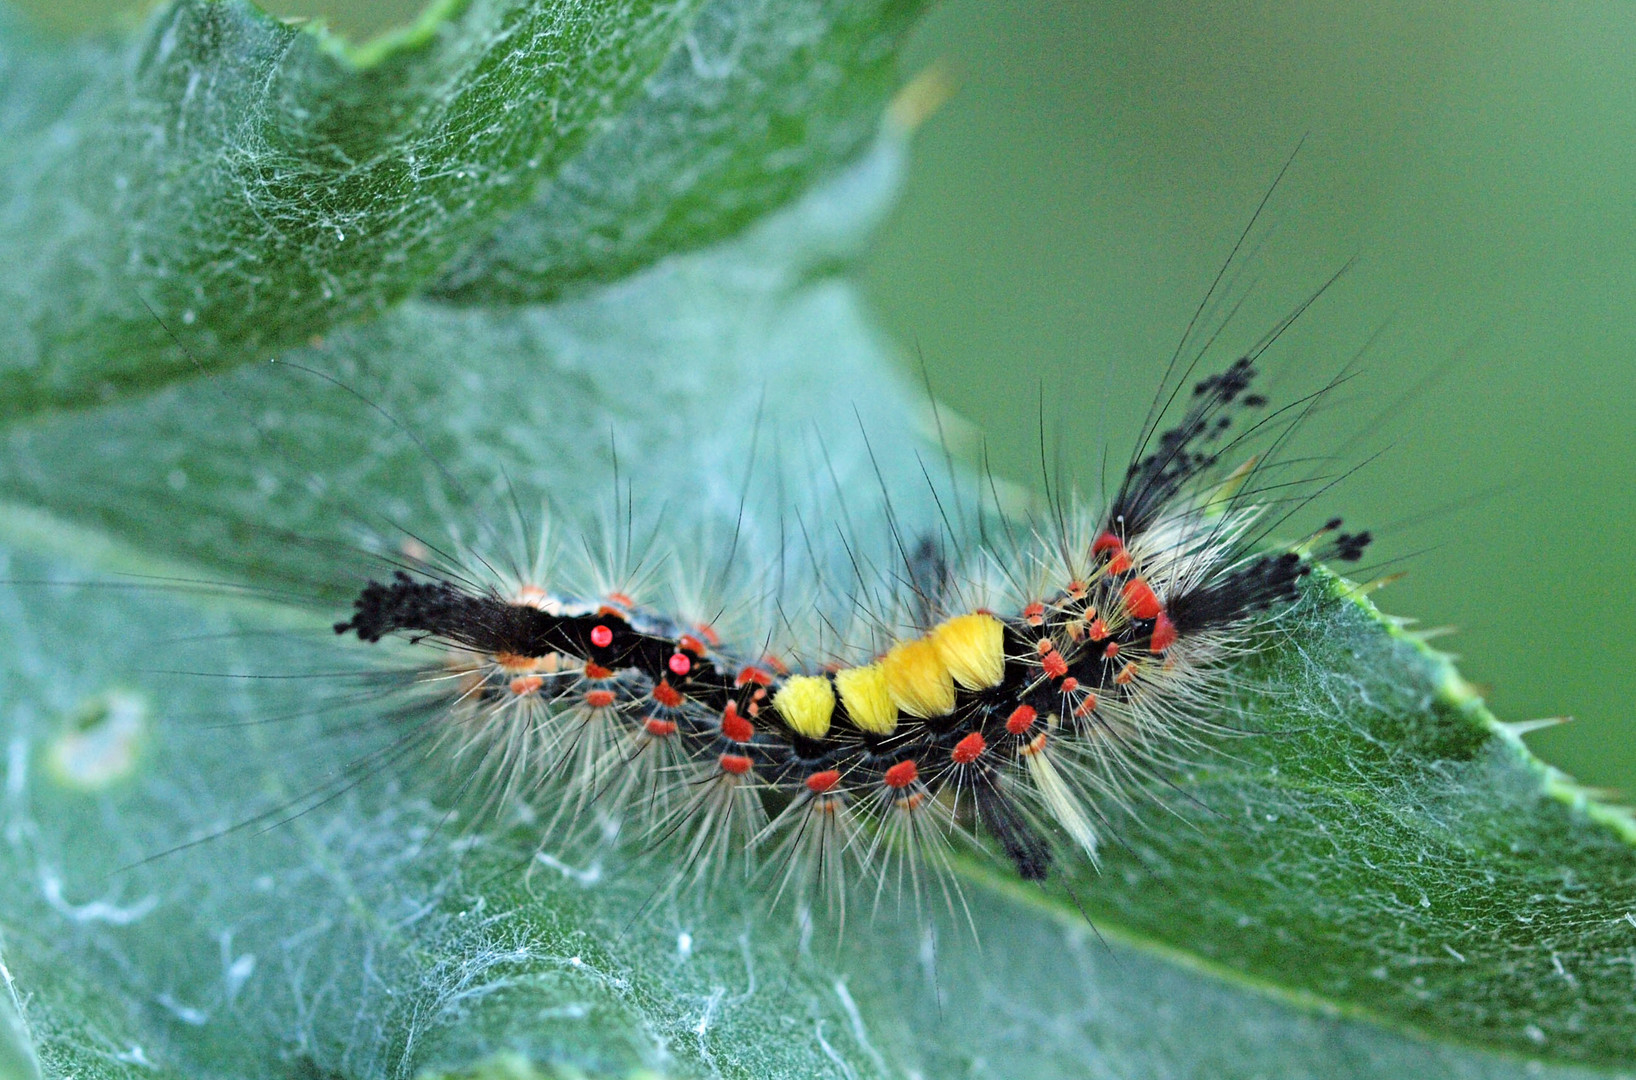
column 1025, row 694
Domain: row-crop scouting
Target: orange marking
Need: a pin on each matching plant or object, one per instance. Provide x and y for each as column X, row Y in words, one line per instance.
column 1054, row 665
column 667, row 695
column 776, row 664
column 691, row 644
column 901, row 775
column 1140, row 600
column 511, row 661
column 820, row 782
column 734, row 726
column 1126, row 674
column 969, row 749
column 709, row 634
column 1164, row 633
column 621, row 598
column 597, row 671
column 658, row 728
column 1086, row 707
column 1035, row 745
column 526, row 684
column 611, row 612
column 1034, row 614
column 753, row 675
column 1021, row 719
column 735, row 764
column 599, row 699
column 1045, row 645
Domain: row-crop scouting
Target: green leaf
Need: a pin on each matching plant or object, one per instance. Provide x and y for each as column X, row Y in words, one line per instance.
column 1378, row 882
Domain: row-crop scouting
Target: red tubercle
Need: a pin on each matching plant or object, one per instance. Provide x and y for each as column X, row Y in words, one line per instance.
column 1107, row 542
column 735, row 764
column 599, row 699
column 708, row 632
column 901, row 775
column 752, row 675
column 969, row 749
column 1164, row 633
column 597, row 671
column 1098, row 630
column 1076, row 589
column 689, row 643
column 526, row 684
column 734, row 726
column 659, row 729
column 1140, row 600
column 1112, row 650
column 1126, row 675
column 601, row 636
column 1045, row 646
column 774, row 664
column 667, row 695
column 1087, row 707
column 679, row 664
column 821, row 782
column 1055, row 664
column 1034, row 614
column 1021, row 719
column 1069, row 685
column 1120, row 563
column 621, row 599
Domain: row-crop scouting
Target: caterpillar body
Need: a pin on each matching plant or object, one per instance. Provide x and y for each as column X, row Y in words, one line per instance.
column 1027, row 695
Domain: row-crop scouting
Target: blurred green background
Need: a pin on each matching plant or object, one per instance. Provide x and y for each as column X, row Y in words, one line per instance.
column 1068, row 207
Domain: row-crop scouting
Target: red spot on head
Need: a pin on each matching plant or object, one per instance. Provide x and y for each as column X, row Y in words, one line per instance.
column 1139, row 599
column 667, row 695
column 734, row 726
column 752, row 675
column 601, row 636
column 526, row 684
column 658, row 728
column 1054, row 664
column 709, row 634
column 597, row 671
column 735, row 764
column 1107, row 542
column 1112, row 650
column 901, row 775
column 969, row 749
column 1069, row 685
column 1034, row 614
column 1021, row 719
column 691, row 644
column 599, row 699
column 679, row 664
column 820, row 782
column 1164, row 633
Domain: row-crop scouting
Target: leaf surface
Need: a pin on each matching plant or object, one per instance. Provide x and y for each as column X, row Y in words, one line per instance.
column 1378, row 881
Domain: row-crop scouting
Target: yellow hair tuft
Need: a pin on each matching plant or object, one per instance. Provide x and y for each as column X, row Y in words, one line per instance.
column 868, row 701
column 918, row 680
column 806, row 702
column 972, row 647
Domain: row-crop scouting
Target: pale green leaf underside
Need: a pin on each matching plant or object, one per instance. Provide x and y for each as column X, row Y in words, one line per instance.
column 1385, row 887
